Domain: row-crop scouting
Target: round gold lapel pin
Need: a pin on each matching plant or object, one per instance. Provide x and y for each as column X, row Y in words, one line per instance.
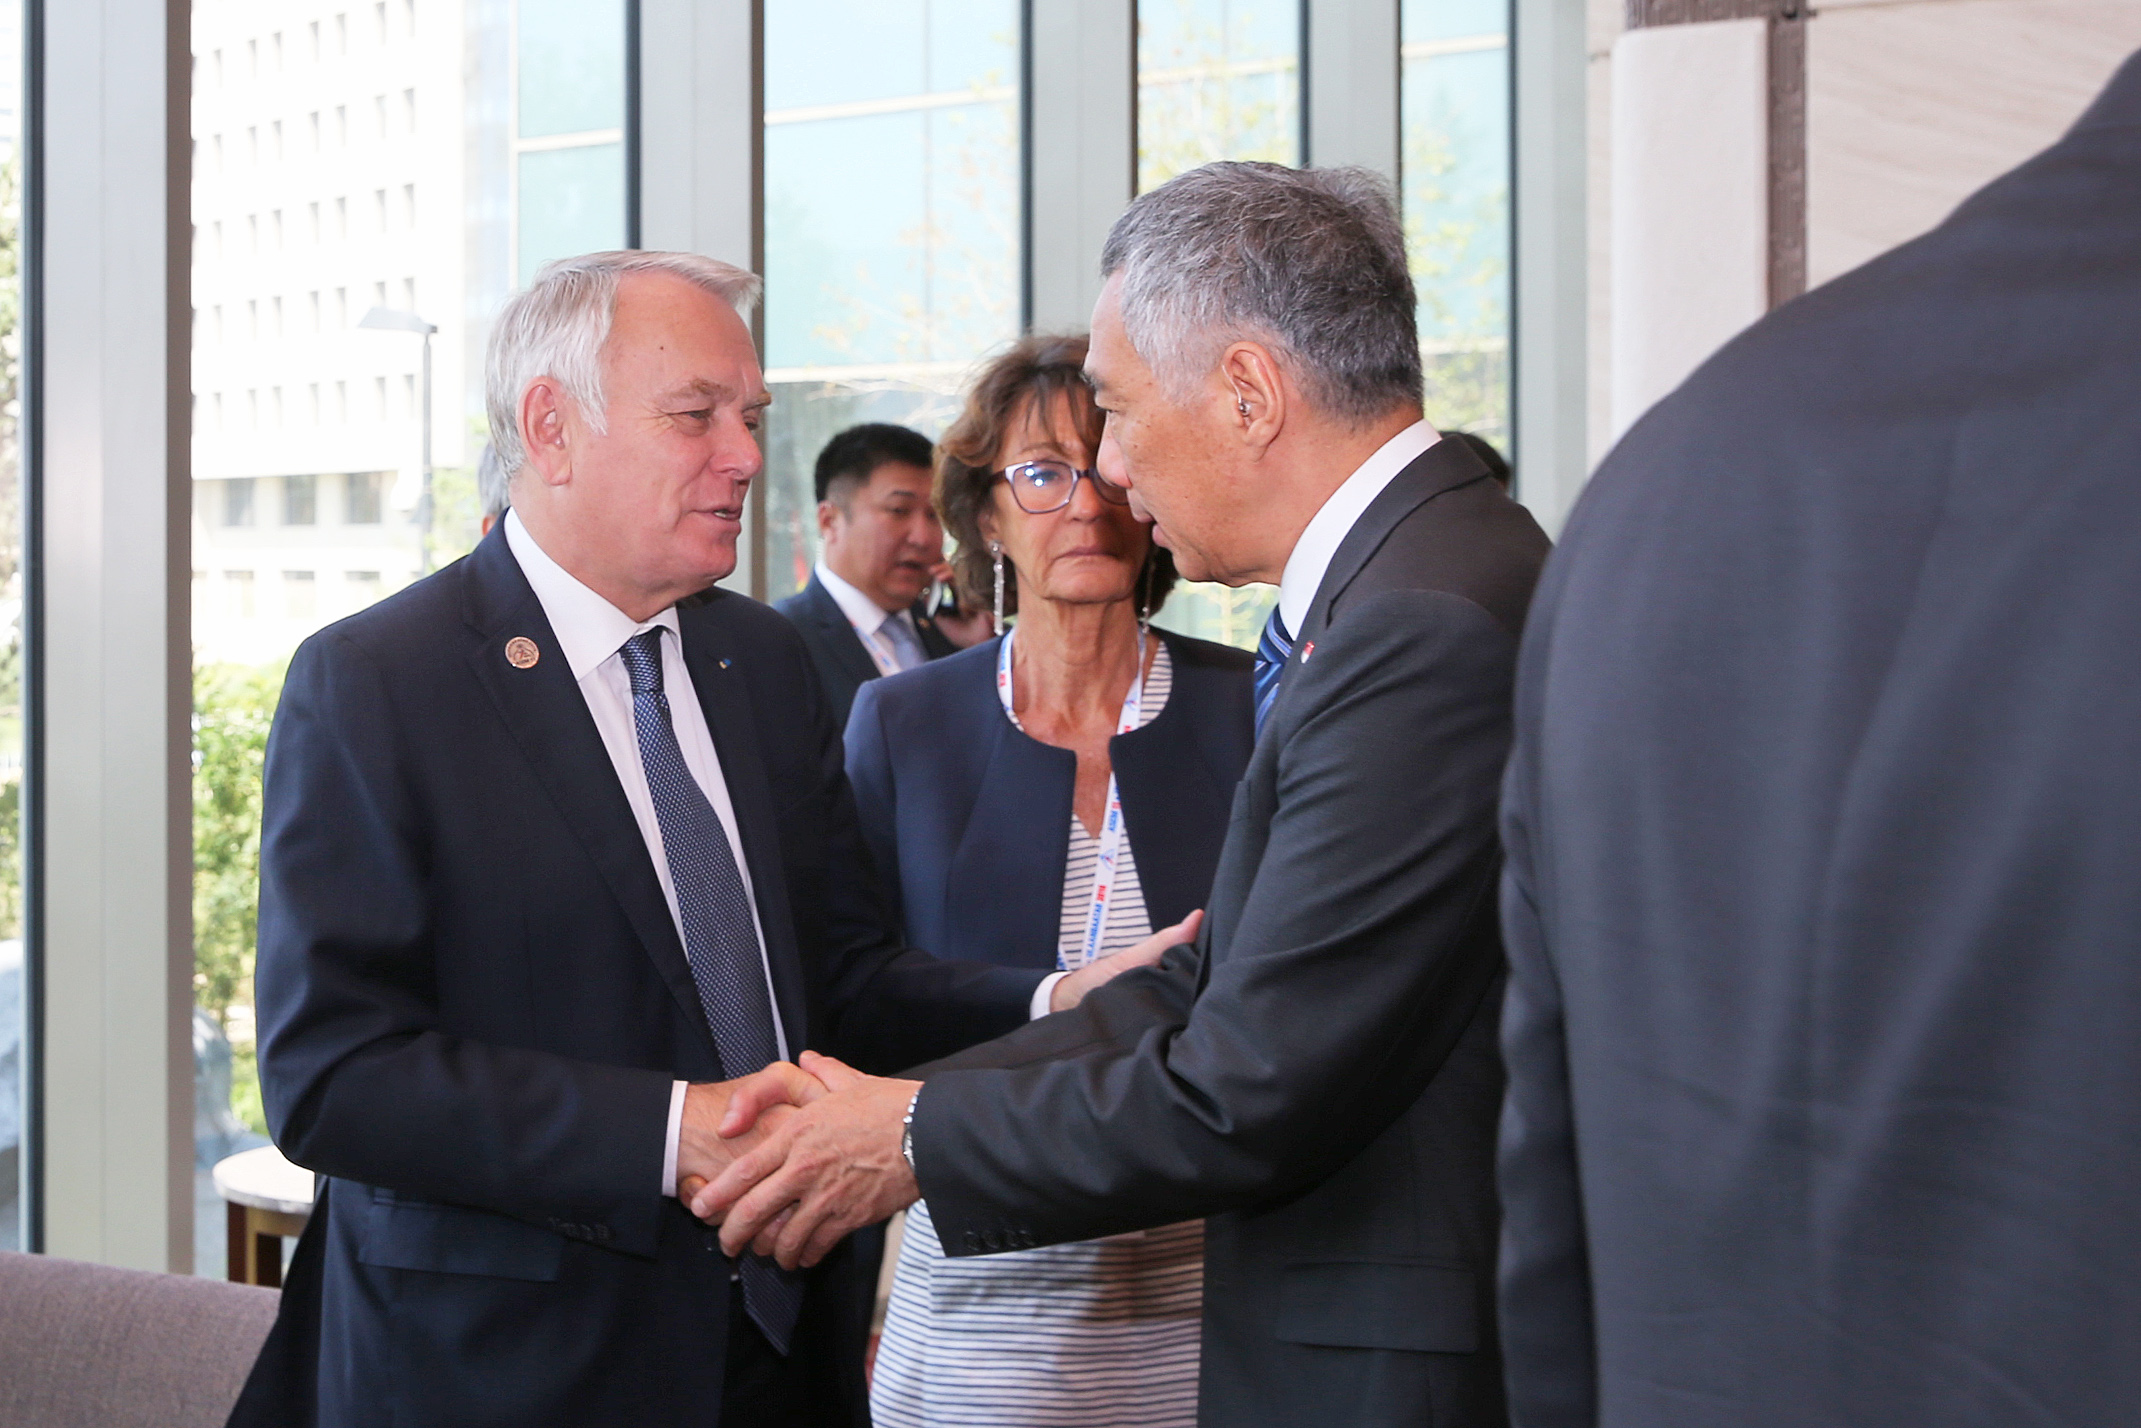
column 521, row 652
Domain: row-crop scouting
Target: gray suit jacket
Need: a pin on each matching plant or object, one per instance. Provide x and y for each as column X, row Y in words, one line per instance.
column 1824, row 831
column 1318, row 1076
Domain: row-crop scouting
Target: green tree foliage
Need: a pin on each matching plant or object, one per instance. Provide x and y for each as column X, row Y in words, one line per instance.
column 232, row 708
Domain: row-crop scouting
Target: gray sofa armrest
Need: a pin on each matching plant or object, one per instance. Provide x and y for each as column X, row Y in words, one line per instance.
column 88, row 1345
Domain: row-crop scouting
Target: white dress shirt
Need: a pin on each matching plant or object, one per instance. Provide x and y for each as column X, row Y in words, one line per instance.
column 870, row 621
column 1328, row 528
column 590, row 631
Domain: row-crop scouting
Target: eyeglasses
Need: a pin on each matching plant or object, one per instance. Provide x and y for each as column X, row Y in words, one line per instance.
column 1043, row 486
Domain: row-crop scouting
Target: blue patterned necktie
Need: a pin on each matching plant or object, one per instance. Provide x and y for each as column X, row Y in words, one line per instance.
column 1272, row 652
column 720, row 939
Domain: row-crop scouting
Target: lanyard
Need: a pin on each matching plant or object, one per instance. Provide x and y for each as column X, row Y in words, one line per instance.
column 1111, row 826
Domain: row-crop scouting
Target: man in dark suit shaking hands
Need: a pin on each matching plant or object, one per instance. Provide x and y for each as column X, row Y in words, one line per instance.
column 556, row 842
column 1317, row 1074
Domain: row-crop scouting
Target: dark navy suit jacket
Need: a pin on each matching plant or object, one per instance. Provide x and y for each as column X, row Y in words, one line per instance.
column 1317, row 1076
column 837, row 652
column 473, row 1001
column 969, row 818
column 1824, row 881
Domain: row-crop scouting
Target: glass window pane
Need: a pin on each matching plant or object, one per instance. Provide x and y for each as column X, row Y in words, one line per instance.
column 13, row 1111
column 571, row 66
column 414, row 158
column 892, row 218
column 1455, row 101
column 1217, row 79
column 571, row 201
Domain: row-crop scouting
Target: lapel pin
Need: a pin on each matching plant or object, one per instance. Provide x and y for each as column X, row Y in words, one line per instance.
column 521, row 652
column 1307, row 650
column 724, row 664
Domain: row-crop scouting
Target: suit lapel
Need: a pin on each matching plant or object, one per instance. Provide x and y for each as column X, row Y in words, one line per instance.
column 1177, row 775
column 834, row 624
column 719, row 676
column 1007, row 865
column 935, row 643
column 1443, row 466
column 547, row 716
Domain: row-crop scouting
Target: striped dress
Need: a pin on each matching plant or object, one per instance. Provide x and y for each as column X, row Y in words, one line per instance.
column 1099, row 1334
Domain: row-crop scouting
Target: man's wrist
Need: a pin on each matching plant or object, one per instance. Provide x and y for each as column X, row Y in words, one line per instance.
column 675, row 1136
column 1043, row 996
column 907, row 1129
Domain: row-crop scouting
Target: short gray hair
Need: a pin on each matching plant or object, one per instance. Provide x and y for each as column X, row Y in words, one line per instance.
column 1310, row 261
column 556, row 326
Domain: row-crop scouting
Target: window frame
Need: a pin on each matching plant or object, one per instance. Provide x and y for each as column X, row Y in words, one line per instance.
column 108, row 568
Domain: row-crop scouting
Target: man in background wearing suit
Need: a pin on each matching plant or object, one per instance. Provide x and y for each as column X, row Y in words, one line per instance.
column 1824, row 831
column 557, row 842
column 880, row 543
column 1317, row 1075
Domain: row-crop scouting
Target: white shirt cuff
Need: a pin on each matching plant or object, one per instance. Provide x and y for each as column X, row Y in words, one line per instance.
column 1039, row 1008
column 676, row 1133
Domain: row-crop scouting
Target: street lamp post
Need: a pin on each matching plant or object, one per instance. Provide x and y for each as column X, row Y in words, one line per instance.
column 393, row 320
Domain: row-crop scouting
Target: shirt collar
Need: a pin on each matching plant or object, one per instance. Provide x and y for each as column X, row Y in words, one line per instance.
column 1328, row 528
column 862, row 612
column 589, row 628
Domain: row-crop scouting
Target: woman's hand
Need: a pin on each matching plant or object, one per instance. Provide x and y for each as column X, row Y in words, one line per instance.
column 1102, row 970
column 963, row 627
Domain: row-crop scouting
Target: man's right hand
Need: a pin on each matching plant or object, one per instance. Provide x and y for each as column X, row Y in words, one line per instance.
column 703, row 1152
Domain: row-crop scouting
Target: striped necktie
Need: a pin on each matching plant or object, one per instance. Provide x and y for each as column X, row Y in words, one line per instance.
column 720, row 939
column 1272, row 652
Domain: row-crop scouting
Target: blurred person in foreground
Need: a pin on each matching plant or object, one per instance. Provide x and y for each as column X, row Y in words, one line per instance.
column 556, row 845
column 1317, row 1076
column 1824, row 831
column 862, row 615
column 1046, row 799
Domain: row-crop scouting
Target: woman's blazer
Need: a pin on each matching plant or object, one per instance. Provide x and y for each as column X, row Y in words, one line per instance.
column 968, row 818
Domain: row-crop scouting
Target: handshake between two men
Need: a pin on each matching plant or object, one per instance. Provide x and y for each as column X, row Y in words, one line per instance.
column 790, row 1160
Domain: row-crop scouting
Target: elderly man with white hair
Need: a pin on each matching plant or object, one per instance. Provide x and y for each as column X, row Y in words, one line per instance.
column 1317, row 1075
column 556, row 844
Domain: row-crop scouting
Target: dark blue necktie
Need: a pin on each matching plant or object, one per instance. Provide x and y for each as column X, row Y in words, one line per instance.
column 1272, row 652
column 720, row 939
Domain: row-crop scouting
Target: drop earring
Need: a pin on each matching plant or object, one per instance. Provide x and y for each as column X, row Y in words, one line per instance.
column 996, row 557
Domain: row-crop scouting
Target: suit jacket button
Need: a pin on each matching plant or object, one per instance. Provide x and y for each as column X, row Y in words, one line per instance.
column 973, row 1240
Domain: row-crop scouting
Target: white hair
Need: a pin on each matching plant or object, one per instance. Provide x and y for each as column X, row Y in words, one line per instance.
column 557, row 325
column 1311, row 261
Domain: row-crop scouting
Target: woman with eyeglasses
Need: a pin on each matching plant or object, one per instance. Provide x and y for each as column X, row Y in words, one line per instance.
column 1043, row 799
